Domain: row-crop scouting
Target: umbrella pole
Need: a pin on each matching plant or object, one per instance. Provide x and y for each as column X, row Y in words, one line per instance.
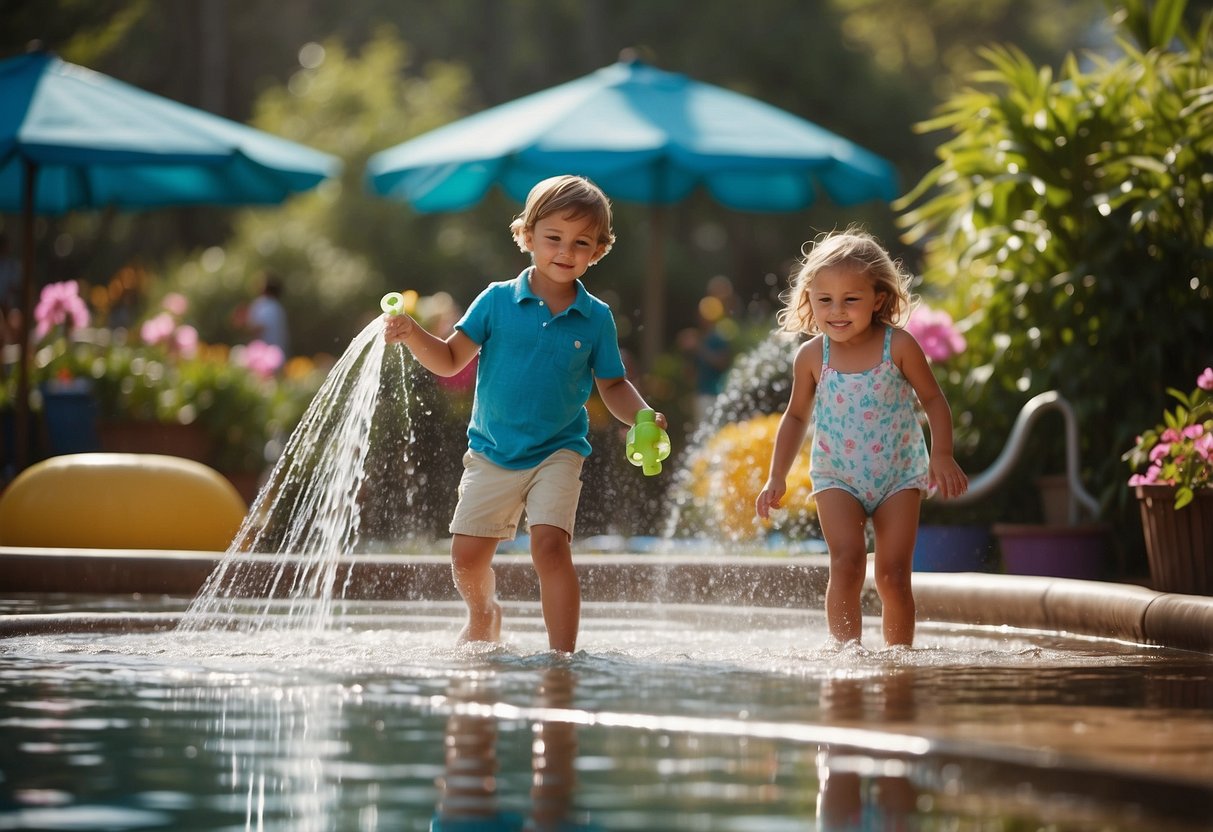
column 22, row 425
column 654, row 291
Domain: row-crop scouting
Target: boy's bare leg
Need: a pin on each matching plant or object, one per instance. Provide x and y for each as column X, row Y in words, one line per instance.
column 842, row 524
column 896, row 524
column 559, row 591
column 472, row 570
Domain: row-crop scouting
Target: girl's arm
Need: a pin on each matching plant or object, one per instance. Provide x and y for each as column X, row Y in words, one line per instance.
column 793, row 426
column 445, row 357
column 945, row 474
column 623, row 400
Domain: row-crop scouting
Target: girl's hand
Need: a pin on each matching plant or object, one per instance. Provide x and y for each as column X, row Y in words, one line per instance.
column 660, row 419
column 945, row 476
column 771, row 497
column 398, row 328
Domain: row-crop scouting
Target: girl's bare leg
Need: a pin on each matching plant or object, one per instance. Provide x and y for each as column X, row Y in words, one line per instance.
column 472, row 570
column 842, row 523
column 896, row 524
column 559, row 591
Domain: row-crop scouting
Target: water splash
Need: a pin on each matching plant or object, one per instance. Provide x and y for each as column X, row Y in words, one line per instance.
column 325, row 498
column 713, row 494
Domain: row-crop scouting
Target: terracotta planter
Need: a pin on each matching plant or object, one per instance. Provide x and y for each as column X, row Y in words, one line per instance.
column 1179, row 544
column 189, row 441
column 1054, row 551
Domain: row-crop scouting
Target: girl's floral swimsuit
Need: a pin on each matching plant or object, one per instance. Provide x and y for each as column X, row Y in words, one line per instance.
column 867, row 439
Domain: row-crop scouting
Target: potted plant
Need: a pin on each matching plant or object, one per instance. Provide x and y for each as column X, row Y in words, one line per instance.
column 1173, row 462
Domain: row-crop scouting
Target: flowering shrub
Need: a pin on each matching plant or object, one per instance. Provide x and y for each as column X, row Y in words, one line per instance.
column 936, row 333
column 60, row 304
column 1179, row 452
column 167, row 375
column 730, row 470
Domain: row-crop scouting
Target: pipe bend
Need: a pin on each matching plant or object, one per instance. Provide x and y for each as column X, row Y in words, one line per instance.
column 983, row 484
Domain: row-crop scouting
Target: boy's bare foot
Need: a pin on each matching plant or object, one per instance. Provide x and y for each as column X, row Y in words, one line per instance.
column 483, row 625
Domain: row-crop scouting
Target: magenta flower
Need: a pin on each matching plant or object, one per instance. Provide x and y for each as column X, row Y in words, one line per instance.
column 185, row 341
column 1179, row 452
column 936, row 333
column 175, row 303
column 59, row 303
column 260, row 358
column 158, row 330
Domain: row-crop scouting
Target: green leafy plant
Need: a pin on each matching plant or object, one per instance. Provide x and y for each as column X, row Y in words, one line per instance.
column 1068, row 222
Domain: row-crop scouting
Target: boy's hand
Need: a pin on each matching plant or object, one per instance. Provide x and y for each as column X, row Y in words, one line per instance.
column 398, row 328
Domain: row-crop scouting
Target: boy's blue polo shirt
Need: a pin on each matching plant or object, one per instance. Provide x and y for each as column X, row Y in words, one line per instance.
column 536, row 371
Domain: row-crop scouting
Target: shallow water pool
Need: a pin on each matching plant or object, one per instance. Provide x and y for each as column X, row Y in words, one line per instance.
column 670, row 717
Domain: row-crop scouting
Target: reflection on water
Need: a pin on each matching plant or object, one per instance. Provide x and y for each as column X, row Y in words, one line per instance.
column 671, row 718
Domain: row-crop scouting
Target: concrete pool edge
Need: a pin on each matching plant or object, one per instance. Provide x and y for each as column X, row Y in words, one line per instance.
column 1118, row 611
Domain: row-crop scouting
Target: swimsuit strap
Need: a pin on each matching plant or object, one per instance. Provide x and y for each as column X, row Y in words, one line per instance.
column 887, row 354
column 825, row 351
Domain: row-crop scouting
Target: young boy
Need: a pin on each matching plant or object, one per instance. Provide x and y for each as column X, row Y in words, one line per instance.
column 543, row 340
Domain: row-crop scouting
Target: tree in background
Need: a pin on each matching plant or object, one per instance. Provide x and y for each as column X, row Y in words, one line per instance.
column 1068, row 223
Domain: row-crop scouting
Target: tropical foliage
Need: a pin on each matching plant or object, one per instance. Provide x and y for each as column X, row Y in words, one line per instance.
column 1069, row 222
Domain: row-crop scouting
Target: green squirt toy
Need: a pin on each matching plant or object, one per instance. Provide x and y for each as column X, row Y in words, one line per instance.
column 647, row 443
column 392, row 303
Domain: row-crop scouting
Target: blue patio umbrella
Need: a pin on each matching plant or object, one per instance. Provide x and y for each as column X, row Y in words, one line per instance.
column 644, row 135
column 72, row 138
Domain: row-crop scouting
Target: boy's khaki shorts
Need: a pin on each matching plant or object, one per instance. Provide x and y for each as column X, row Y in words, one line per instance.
column 491, row 498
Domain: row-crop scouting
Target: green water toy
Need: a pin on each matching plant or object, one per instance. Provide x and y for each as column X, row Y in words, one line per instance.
column 392, row 303
column 647, row 443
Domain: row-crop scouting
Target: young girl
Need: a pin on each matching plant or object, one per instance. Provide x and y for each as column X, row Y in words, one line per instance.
column 857, row 379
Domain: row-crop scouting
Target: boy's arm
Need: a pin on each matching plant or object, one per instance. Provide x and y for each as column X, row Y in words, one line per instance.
column 623, row 400
column 444, row 357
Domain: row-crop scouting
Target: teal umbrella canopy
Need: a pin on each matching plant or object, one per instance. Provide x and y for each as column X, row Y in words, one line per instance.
column 74, row 139
column 95, row 142
column 644, row 135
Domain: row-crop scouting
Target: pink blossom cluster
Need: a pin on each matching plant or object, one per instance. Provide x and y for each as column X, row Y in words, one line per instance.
column 1181, row 453
column 260, row 358
column 936, row 333
column 59, row 303
column 165, row 329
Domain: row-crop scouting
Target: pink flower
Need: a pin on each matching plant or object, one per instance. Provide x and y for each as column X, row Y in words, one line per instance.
column 877, row 447
column 849, row 446
column 1204, row 446
column 185, row 341
column 175, row 303
column 868, row 415
column 1160, row 450
column 936, row 333
column 158, row 330
column 59, row 303
column 1205, row 380
column 260, row 358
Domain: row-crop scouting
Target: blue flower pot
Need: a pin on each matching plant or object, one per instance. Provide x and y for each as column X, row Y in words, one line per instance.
column 953, row 549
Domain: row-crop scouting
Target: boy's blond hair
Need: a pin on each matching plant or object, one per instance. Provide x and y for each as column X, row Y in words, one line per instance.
column 855, row 249
column 572, row 197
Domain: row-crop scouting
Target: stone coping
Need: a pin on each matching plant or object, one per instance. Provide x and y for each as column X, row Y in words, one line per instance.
column 1108, row 610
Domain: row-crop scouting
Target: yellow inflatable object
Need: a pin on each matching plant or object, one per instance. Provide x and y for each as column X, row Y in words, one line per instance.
column 120, row 501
